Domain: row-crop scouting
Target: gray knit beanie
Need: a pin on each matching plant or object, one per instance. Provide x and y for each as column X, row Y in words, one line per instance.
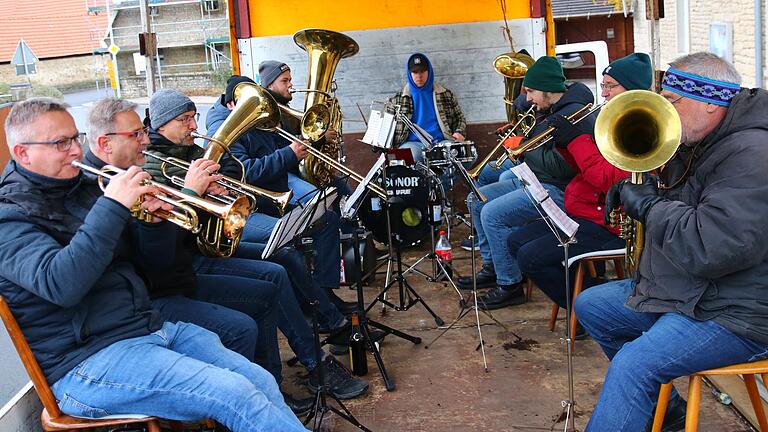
column 269, row 70
column 166, row 105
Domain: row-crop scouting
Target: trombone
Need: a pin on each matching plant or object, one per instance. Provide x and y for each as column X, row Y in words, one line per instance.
column 184, row 213
column 526, row 122
column 279, row 199
column 545, row 136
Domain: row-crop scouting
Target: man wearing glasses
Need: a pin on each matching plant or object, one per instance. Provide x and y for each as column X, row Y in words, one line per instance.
column 68, row 270
column 697, row 300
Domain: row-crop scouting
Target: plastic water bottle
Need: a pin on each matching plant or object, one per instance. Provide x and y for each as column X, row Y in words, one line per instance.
column 443, row 252
column 723, row 398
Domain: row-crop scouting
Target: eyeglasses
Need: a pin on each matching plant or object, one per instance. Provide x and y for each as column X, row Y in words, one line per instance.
column 188, row 119
column 63, row 144
column 608, row 87
column 137, row 135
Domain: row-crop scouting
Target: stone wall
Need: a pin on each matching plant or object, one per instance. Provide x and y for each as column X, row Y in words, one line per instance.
column 193, row 84
column 740, row 13
column 62, row 73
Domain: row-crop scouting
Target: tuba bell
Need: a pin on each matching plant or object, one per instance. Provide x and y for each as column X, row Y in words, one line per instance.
column 637, row 131
column 325, row 49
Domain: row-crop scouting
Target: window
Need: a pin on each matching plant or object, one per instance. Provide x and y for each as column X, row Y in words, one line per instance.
column 211, row 5
column 154, row 11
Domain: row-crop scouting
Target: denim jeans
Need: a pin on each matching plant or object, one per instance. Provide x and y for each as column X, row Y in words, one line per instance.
column 489, row 175
column 647, row 350
column 305, row 288
column 541, row 258
column 258, row 228
column 508, row 208
column 326, row 236
column 180, row 372
column 237, row 331
column 239, row 284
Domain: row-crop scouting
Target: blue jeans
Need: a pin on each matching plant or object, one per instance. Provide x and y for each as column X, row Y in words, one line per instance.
column 489, row 175
column 180, row 372
column 327, row 239
column 508, row 208
column 239, row 284
column 647, row 350
column 305, row 288
column 541, row 258
column 237, row 331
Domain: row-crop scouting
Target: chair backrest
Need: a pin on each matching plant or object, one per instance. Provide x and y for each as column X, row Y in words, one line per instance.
column 28, row 359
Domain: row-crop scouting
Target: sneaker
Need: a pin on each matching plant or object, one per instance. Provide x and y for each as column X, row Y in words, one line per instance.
column 466, row 244
column 486, row 278
column 502, row 296
column 674, row 419
column 298, row 406
column 338, row 379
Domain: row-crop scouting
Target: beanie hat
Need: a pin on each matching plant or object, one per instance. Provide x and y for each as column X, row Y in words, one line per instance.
column 633, row 72
column 418, row 63
column 166, row 105
column 545, row 75
column 232, row 82
column 269, row 70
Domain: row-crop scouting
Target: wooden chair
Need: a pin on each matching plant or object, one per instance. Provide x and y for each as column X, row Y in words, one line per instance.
column 52, row 418
column 748, row 372
column 586, row 263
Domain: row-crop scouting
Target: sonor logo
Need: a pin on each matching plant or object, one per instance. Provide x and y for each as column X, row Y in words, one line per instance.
column 403, row 182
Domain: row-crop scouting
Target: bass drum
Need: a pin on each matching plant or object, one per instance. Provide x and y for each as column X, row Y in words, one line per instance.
column 410, row 217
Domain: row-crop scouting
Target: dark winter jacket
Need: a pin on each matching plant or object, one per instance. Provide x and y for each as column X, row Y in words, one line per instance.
column 67, row 267
column 175, row 279
column 266, row 156
column 546, row 162
column 706, row 254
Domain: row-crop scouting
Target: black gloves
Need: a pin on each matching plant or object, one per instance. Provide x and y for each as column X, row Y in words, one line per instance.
column 564, row 132
column 637, row 198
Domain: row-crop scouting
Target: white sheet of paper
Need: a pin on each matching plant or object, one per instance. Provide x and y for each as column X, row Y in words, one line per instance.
column 360, row 191
column 537, row 191
column 374, row 127
column 386, row 130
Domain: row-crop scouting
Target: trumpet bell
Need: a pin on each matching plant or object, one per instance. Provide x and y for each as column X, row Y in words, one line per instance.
column 316, row 121
column 512, row 64
column 237, row 216
column 638, row 131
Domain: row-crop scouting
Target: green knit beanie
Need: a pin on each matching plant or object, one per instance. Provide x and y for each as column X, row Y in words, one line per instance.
column 545, row 75
column 633, row 72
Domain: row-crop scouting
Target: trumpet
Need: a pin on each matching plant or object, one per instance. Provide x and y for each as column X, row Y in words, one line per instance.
column 546, row 135
column 279, row 199
column 526, row 122
column 184, row 214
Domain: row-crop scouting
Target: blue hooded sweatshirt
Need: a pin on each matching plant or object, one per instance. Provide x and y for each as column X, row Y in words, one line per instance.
column 424, row 113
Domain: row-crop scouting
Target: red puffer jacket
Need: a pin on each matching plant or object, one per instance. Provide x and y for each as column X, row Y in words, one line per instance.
column 585, row 194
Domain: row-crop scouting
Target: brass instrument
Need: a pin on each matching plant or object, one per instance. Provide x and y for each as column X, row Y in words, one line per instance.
column 232, row 217
column 545, row 136
column 279, row 199
column 512, row 66
column 525, row 126
column 637, row 131
column 325, row 48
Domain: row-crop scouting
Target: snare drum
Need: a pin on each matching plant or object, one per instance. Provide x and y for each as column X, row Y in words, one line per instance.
column 439, row 157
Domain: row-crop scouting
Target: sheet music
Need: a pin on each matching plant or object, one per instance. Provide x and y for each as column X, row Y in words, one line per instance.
column 297, row 220
column 381, row 129
column 537, row 191
column 349, row 205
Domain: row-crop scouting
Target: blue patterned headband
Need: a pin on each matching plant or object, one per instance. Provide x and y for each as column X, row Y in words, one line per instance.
column 699, row 88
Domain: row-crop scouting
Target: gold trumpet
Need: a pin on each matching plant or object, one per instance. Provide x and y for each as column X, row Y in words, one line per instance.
column 233, row 216
column 526, row 122
column 545, row 136
column 279, row 199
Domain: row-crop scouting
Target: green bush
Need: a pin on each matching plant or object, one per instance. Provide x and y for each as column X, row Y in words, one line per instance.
column 220, row 77
column 44, row 90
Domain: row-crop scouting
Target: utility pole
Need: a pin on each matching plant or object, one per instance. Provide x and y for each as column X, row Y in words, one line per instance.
column 148, row 44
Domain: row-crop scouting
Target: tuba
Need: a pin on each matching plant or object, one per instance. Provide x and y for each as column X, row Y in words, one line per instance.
column 253, row 107
column 637, row 131
column 325, row 48
column 512, row 66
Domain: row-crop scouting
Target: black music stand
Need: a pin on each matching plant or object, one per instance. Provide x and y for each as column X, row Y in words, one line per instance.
column 350, row 212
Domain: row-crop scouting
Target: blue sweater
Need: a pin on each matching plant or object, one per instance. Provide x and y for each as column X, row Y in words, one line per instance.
column 67, row 267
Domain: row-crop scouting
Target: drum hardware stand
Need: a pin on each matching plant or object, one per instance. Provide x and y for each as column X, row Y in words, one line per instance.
column 465, row 307
column 321, row 406
column 408, row 296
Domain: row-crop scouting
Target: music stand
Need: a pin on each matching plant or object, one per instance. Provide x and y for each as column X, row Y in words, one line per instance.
column 465, row 307
column 564, row 229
